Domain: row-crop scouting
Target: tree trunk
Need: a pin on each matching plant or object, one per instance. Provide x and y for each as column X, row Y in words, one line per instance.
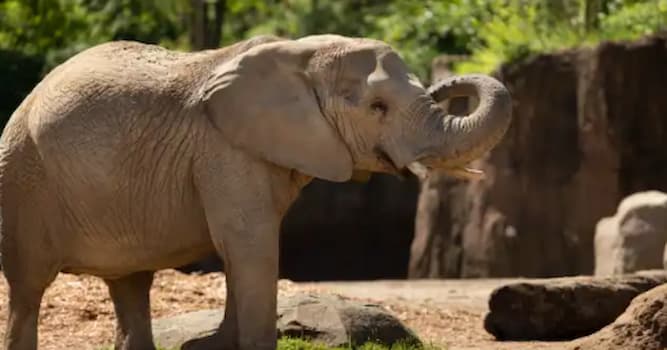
column 206, row 23
column 591, row 10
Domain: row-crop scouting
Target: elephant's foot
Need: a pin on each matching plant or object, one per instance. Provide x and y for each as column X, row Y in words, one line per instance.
column 218, row 341
column 215, row 341
column 129, row 344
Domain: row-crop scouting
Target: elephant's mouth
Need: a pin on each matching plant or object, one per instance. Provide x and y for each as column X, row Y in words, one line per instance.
column 422, row 168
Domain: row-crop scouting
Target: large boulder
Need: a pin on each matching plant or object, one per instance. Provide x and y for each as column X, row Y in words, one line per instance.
column 642, row 326
column 563, row 308
column 328, row 319
column 634, row 238
column 588, row 130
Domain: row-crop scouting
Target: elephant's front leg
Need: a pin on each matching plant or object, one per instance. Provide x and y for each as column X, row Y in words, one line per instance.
column 227, row 336
column 252, row 277
column 244, row 226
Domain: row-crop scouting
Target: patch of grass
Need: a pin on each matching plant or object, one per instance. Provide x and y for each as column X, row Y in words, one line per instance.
column 300, row 344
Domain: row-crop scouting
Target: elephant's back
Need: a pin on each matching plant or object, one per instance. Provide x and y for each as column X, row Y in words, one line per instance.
column 111, row 124
column 106, row 99
column 116, row 75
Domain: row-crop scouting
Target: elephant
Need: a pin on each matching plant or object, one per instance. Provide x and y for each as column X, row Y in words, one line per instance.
column 129, row 158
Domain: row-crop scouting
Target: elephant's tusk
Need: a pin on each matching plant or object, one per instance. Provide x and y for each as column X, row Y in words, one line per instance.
column 422, row 172
column 465, row 173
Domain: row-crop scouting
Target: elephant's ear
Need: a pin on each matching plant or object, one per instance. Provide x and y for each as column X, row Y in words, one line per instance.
column 263, row 102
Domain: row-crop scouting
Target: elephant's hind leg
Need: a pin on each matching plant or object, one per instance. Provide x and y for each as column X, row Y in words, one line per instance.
column 131, row 299
column 29, row 271
column 24, row 300
column 24, row 303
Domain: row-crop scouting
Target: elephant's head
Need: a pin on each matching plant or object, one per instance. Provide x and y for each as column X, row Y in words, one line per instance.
column 325, row 105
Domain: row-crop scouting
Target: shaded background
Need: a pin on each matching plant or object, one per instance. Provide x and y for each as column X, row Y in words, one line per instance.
column 590, row 121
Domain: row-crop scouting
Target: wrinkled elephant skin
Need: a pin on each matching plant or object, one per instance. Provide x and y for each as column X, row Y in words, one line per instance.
column 129, row 158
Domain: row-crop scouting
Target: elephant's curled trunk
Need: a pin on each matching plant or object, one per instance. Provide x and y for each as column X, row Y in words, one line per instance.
column 459, row 140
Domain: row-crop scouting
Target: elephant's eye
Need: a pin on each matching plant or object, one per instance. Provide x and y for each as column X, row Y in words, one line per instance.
column 379, row 107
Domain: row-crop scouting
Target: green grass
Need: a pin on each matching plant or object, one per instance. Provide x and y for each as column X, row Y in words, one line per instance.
column 299, row 344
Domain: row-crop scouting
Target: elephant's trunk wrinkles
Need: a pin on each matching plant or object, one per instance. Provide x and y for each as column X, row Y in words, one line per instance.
column 458, row 140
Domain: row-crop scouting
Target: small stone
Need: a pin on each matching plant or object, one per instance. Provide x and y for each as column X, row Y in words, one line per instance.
column 172, row 332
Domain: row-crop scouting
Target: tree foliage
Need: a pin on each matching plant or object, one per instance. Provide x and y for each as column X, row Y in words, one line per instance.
column 57, row 29
column 44, row 33
column 515, row 29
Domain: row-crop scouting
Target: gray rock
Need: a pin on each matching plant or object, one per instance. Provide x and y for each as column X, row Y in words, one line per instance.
column 172, row 332
column 642, row 326
column 634, row 238
column 327, row 319
column 337, row 321
column 563, row 308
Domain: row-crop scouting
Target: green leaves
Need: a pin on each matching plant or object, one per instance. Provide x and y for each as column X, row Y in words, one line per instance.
column 490, row 31
column 516, row 29
column 58, row 29
column 633, row 20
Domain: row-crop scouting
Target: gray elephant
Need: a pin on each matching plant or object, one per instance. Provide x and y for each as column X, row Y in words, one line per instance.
column 129, row 158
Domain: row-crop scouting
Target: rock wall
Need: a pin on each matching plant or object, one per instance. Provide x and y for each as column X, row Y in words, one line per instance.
column 589, row 128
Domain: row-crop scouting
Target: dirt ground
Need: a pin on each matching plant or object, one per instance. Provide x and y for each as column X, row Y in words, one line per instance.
column 78, row 314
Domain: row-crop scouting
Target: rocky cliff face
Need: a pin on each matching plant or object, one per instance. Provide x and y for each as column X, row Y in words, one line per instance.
column 589, row 127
